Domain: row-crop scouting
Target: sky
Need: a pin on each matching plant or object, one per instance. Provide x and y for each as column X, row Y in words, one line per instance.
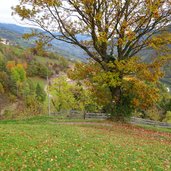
column 5, row 12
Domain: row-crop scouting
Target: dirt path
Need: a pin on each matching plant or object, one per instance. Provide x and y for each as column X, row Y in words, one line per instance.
column 84, row 123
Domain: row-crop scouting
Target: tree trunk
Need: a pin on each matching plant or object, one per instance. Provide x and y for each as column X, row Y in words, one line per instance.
column 116, row 103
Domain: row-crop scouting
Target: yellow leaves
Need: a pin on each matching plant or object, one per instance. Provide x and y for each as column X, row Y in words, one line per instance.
column 124, row 25
column 88, row 1
column 160, row 42
column 151, row 72
column 98, row 16
column 27, row 36
column 154, row 7
column 102, row 37
column 52, row 2
column 126, row 66
column 23, row 12
column 108, row 79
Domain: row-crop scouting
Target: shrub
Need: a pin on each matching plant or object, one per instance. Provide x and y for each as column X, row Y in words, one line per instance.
column 168, row 117
column 154, row 113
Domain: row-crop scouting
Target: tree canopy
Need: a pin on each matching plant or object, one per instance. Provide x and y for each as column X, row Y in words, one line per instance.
column 117, row 30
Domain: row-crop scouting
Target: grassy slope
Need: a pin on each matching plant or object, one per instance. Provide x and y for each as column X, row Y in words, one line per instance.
column 18, row 53
column 37, row 144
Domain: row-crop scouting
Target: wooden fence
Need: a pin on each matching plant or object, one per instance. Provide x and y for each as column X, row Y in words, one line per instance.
column 74, row 114
column 135, row 120
column 102, row 116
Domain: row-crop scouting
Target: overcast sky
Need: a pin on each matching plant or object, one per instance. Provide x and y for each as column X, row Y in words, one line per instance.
column 5, row 11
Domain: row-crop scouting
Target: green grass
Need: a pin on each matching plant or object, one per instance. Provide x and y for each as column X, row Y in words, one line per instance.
column 35, row 144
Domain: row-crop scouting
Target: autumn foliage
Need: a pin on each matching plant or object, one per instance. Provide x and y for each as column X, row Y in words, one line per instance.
column 138, row 82
column 118, row 31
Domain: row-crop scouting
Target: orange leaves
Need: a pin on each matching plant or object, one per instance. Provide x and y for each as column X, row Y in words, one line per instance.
column 135, row 102
column 144, row 95
column 11, row 64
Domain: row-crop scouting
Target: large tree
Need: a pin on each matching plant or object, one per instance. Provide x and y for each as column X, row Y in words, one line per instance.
column 118, row 29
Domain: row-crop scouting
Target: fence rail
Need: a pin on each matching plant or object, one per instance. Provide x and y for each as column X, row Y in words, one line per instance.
column 97, row 116
column 135, row 120
column 74, row 114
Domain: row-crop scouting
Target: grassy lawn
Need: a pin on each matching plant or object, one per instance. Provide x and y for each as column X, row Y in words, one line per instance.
column 36, row 144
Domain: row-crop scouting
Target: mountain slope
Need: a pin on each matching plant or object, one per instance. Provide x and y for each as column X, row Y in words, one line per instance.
column 14, row 33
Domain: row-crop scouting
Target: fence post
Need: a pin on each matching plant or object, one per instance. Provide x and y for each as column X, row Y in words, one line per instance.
column 84, row 115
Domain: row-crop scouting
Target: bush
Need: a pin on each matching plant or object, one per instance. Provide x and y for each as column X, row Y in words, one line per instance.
column 168, row 117
column 12, row 98
column 8, row 114
column 154, row 114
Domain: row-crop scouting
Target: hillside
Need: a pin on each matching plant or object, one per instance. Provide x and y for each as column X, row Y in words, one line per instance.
column 21, row 72
column 14, row 33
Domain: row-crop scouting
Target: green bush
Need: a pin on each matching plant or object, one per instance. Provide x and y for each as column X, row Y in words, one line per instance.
column 168, row 117
column 153, row 113
column 7, row 114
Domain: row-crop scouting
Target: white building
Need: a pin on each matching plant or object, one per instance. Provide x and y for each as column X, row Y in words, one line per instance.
column 4, row 41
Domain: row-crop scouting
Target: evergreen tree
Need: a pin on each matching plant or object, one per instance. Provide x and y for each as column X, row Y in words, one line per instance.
column 40, row 93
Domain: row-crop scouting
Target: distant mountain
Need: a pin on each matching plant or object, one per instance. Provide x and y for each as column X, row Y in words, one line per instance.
column 14, row 33
column 15, row 28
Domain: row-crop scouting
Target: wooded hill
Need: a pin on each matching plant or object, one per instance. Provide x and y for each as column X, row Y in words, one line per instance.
column 14, row 33
column 24, row 73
